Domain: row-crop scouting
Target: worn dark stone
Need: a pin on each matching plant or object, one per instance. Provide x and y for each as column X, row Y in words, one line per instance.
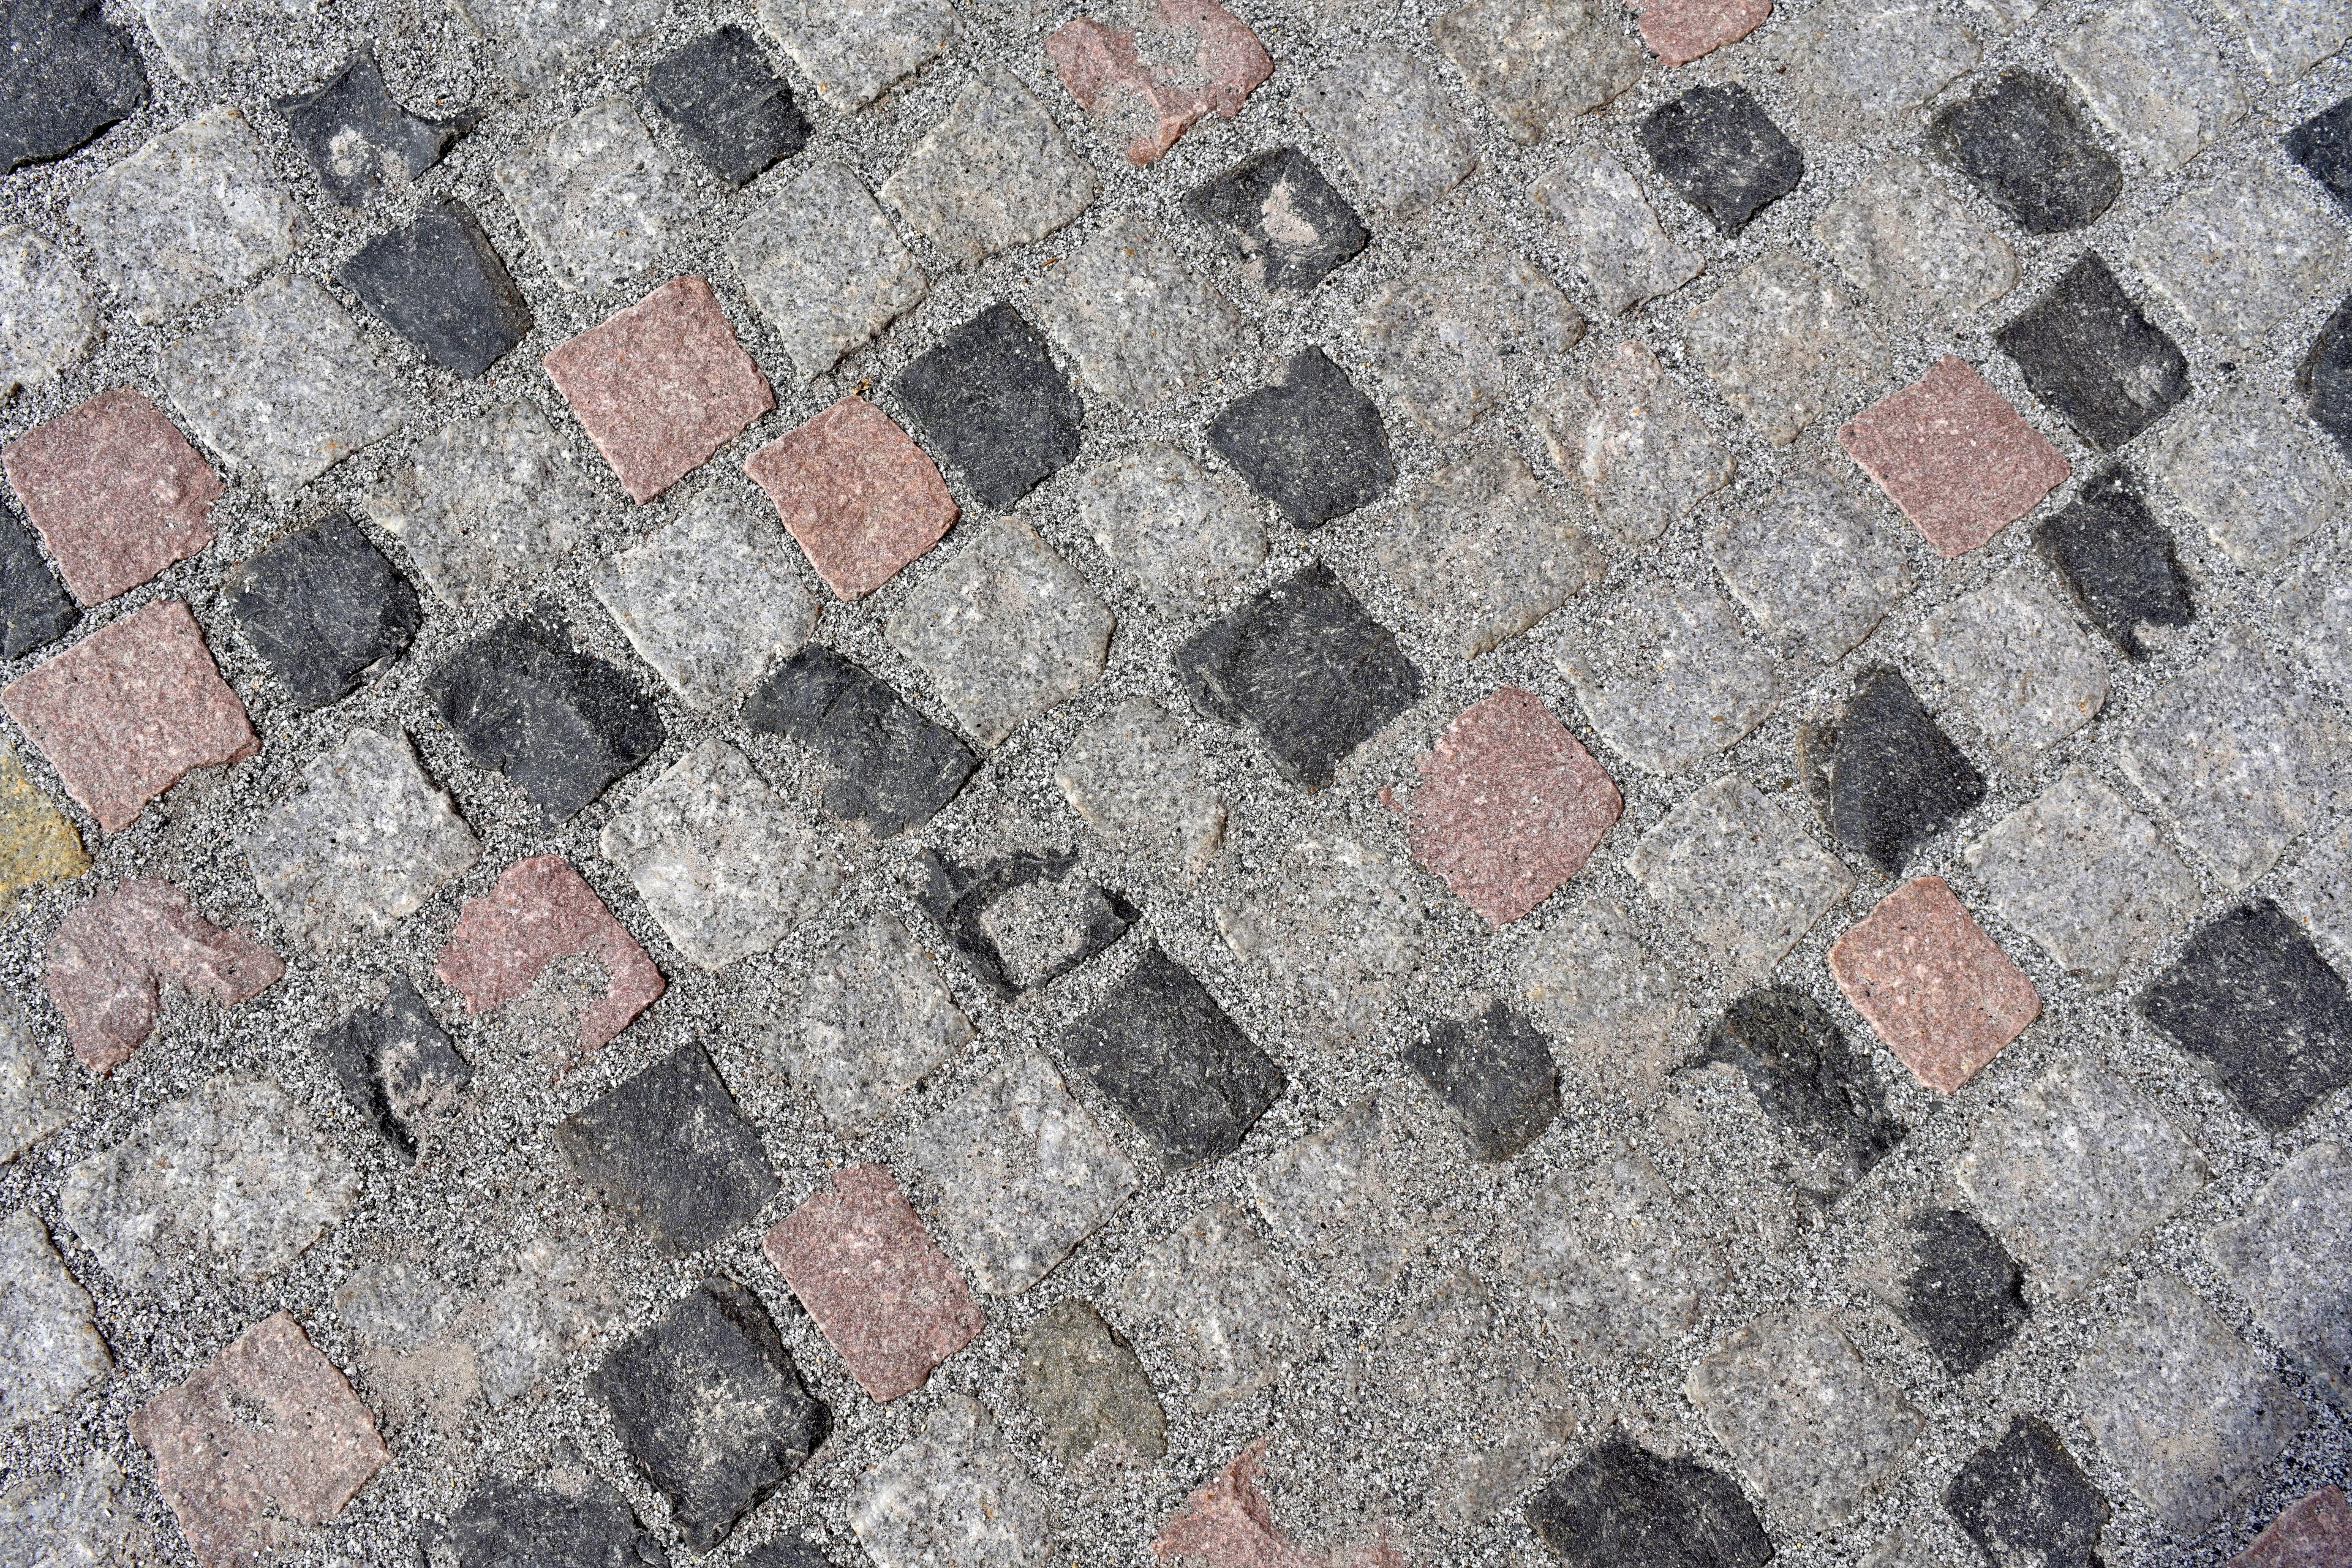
column 524, row 1525
column 440, row 284
column 2323, row 145
column 1086, row 1388
column 1277, row 213
column 1964, row 1294
column 322, row 608
column 2021, row 142
column 2252, row 999
column 1497, row 1071
column 2026, row 1503
column 1806, row 1079
column 358, row 138
column 396, row 1065
column 1621, row 1506
column 789, row 1550
column 1308, row 440
column 990, row 400
column 669, row 1151
column 66, row 75
column 2087, row 352
column 1057, row 922
column 1722, row 151
column 1884, row 775
column 559, row 725
column 879, row 762
column 35, row 610
column 710, row 1408
column 2325, row 377
column 2119, row 561
column 1159, row 1049
column 1304, row 667
column 734, row 110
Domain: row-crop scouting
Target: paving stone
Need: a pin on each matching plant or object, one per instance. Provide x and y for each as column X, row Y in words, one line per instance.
column 705, row 602
column 2286, row 1256
column 1385, row 115
column 2018, row 668
column 1611, row 233
column 50, row 1348
column 102, row 966
column 34, row 1099
column 1158, row 1047
column 558, row 725
column 1718, row 148
column 989, row 398
column 876, row 1021
column 2263, row 1013
column 1629, row 438
column 1623, row 1506
column 235, row 1180
column 192, row 214
column 1218, row 1304
column 129, row 711
column 710, row 1408
column 1957, row 1287
column 1951, row 452
column 534, row 43
column 1022, row 1174
column 1229, row 1523
column 1678, row 681
column 880, row 1290
column 1309, row 441
column 1538, row 63
column 597, row 197
column 822, row 265
column 2317, row 891
column 1337, row 929
column 1817, row 569
column 2154, row 78
column 854, row 57
column 1808, row 1081
column 1139, row 320
column 35, row 610
column 1146, row 71
column 1613, row 1260
column 507, row 1523
column 360, row 846
column 2022, row 143
column 68, row 76
column 2259, row 478
column 1783, row 341
column 359, row 138
column 1864, row 67
column 2026, row 1503
column 1595, row 987
column 396, row 1066
column 1907, row 244
column 1132, row 778
column 281, row 384
column 322, row 609
column 1444, row 344
column 994, row 171
column 485, row 502
column 2244, row 250
column 1004, row 627
column 729, row 106
column 116, row 491
column 1886, row 777
column 2325, row 378
column 1481, row 551
column 259, row 1446
column 2184, row 1410
column 2118, row 559
column 2086, row 876
column 958, row 1495
column 1738, row 878
column 37, row 844
column 861, row 498
column 1277, row 212
column 1509, row 807
column 1936, row 990
column 2308, row 1533
column 1353, row 1199
column 2322, row 143
column 2074, row 1171
column 2085, row 349
column 440, row 284
column 1022, row 921
column 1088, row 1391
column 539, row 912
column 877, row 762
column 1496, row 1073
column 670, row 1152
column 49, row 312
column 83, row 1518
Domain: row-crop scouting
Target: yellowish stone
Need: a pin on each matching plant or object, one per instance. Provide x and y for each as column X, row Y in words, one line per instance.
column 37, row 844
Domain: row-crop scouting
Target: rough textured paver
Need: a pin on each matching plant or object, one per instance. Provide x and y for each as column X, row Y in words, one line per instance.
column 1738, row 877
column 1483, row 551
column 190, row 215
column 1621, row 1503
column 671, row 1152
column 597, row 197
column 574, row 1518
column 484, row 503
column 1680, row 680
column 38, row 845
column 990, row 399
column 396, row 1066
column 358, row 139
column 732, row 108
column 1023, row 920
column 1192, row 537
column 131, row 711
column 1781, row 341
column 707, row 602
column 1680, row 31
column 322, row 609
column 1957, row 1287
column 1277, row 212
column 2074, row 1171
column 2155, row 78
column 2086, row 349
column 860, row 498
column 2251, row 999
column 534, row 43
column 34, row 609
column 878, row 762
column 876, row 1021
column 1936, row 988
column 1133, row 778
column 2015, row 661
column 440, row 283
column 81, row 1516
column 1444, row 344
column 1220, row 1304
column 1908, row 243
column 561, row 726
column 1613, row 1260
column 993, row 173
column 1817, row 567
column 1538, row 63
column 1884, row 773
column 2317, row 891
column 1718, row 148
column 2286, row 1256
column 35, row 1100
column 959, row 1496
column 2241, row 252
column 540, row 911
column 2021, row 142
column 116, row 491
column 1866, row 66
column 1633, row 442
column 49, row 312
column 69, row 76
column 822, row 265
column 1387, row 118
column 2026, row 1503
column 854, row 57
column 2310, row 1532
column 1338, row 928
column 1495, row 1072
column 1086, row 1390
column 2108, row 547
column 1146, row 71
column 2254, row 472
column 1598, row 988
column 1309, row 441
column 881, row 1291
column 50, row 1348
column 2322, row 146
column 104, row 963
column 1345, row 1198
column 1951, row 452
column 1158, row 1048
column 1609, row 230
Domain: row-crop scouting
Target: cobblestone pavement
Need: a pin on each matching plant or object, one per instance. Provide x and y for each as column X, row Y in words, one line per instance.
column 1111, row 781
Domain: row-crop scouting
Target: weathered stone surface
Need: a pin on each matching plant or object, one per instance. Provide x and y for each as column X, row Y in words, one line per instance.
column 396, row 1066
column 34, row 1099
column 878, row 762
column 2325, row 378
column 1306, row 669
column 2155, row 78
column 2086, row 349
column 1193, row 538
column 1680, row 31
column 2253, row 1000
column 439, row 282
column 706, row 601
column 50, row 1348
column 1309, row 441
column 876, row 1021
column 2022, row 143
column 37, row 844
column 1621, row 1506
column 1958, row 1288
column 561, row 726
column 68, row 76
column 1484, row 552
column 1496, row 1073
column 2308, row 1533
column 1908, row 244
column 1385, row 115
column 485, row 503
column 262, row 1443
column 34, row 608
column 191, row 215
column 323, row 609
column 1446, row 345
column 989, row 398
column 533, row 43
column 2317, row 891
column 959, row 1496
column 2118, row 559
column 1614, row 1260
column 359, row 138
column 1337, row 927
column 1215, row 1298
column 2017, row 667
column 234, row 1180
column 822, row 265
column 104, row 963
column 670, row 1152
column 85, row 1517
column 1229, row 1520
column 880, row 1290
column 1088, row 1391
column 2026, row 1503
column 1610, row 232
column 1538, row 63
column 1885, row 775
column 539, row 912
column 1677, row 681
column 2323, row 145
column 1141, row 324
column 2074, row 1171
column 1936, row 988
column 855, row 56
column 2243, row 251
column 2289, row 1257
column 597, row 197
column 1633, row 442
column 1593, row 983
column 1816, row 568
column 1146, row 71
column 1133, row 779
column 1781, row 341
column 116, row 491
column 577, row 1522
column 1951, row 452
column 1354, row 1199
column 1738, row 878
column 861, row 500
column 734, row 110
column 1718, row 148
column 2254, row 472
column 1808, row 1081
column 1867, row 65
column 993, row 173
column 1277, row 212
column 1158, row 1048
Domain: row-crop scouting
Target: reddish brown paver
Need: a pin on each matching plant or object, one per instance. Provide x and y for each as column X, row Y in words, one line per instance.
column 1680, row 31
column 660, row 385
column 539, row 910
column 2313, row 1532
column 131, row 711
column 265, row 1441
column 103, row 966
column 1228, row 1523
column 1951, row 452
column 1153, row 81
column 858, row 495
column 1934, row 986
column 1510, row 807
column 879, row 1288
column 116, row 491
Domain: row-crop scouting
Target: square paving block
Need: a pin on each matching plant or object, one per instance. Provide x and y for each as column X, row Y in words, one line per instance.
column 709, row 601
column 990, row 399
column 1495, row 1070
column 2086, row 349
column 2026, row 1503
column 439, row 282
column 1146, row 71
column 1936, row 988
column 854, row 54
column 1610, row 232
column 734, row 110
column 2021, row 141
column 2288, row 1256
column 1678, row 681
column 1783, row 341
column 1635, row 442
column 1884, row 773
column 1139, row 322
column 1386, row 116
column 1816, row 566
column 822, row 265
column 669, row 1151
column 1022, row 919
column 204, row 177
column 1277, row 212
column 878, row 761
column 359, row 138
column 1718, row 148
column 994, row 171
column 2263, row 1013
column 323, row 609
column 103, row 964
column 2155, row 78
column 1448, row 342
column 2107, row 547
column 860, row 498
column 1308, row 440
column 1950, row 451
column 116, row 491
column 538, row 911
column 1621, row 1503
column 2020, row 670
column 2254, row 472
column 597, row 197
column 2241, row 252
column 1133, row 778
column 1538, row 65
column 875, row 1022
column 1738, row 877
